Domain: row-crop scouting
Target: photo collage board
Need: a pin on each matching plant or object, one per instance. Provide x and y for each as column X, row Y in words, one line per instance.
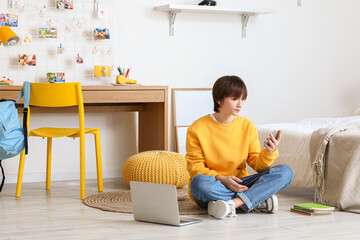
column 60, row 40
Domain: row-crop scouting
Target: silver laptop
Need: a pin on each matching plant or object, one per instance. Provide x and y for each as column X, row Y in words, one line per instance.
column 157, row 203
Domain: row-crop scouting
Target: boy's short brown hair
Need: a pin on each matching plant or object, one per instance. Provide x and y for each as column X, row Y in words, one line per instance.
column 228, row 86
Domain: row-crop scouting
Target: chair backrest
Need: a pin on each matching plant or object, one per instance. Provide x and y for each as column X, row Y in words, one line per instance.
column 58, row 95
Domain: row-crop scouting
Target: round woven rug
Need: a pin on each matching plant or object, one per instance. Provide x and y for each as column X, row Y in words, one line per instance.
column 120, row 201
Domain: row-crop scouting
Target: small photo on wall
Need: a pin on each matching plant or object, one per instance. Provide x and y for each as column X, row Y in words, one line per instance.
column 2, row 19
column 55, row 77
column 64, row 4
column 27, row 59
column 101, row 33
column 47, row 32
column 60, row 77
column 79, row 60
column 10, row 20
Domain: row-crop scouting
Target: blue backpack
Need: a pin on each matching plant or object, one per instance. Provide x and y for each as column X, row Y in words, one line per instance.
column 13, row 137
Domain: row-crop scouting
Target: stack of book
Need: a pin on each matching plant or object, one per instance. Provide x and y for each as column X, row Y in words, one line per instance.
column 312, row 209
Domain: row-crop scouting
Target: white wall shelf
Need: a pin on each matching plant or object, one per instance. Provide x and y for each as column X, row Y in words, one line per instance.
column 245, row 13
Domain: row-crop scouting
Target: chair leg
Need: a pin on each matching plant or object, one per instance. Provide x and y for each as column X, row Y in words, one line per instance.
column 98, row 161
column 48, row 163
column 20, row 174
column 82, row 167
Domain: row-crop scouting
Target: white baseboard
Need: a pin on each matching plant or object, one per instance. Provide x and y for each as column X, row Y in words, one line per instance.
column 60, row 176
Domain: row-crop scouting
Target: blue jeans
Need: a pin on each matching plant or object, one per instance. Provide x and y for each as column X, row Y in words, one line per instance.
column 261, row 186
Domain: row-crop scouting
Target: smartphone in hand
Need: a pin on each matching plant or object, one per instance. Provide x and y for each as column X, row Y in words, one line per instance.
column 275, row 134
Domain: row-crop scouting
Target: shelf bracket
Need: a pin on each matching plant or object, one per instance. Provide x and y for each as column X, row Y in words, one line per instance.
column 10, row 3
column 299, row 3
column 96, row 5
column 172, row 16
column 245, row 19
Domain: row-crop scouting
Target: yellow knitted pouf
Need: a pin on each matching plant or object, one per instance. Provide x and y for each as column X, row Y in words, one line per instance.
column 156, row 167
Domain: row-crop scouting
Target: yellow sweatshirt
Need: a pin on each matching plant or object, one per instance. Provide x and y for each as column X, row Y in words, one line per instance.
column 215, row 148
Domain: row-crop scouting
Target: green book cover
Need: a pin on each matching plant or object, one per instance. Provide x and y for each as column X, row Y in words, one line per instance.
column 313, row 206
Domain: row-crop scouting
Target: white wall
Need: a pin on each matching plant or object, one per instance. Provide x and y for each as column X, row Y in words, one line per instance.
column 298, row 63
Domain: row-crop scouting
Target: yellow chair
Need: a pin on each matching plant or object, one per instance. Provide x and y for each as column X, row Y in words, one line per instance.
column 61, row 95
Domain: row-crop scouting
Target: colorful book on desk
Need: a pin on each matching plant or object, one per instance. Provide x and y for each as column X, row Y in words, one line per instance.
column 312, row 209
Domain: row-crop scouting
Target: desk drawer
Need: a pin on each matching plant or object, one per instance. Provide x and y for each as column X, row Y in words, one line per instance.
column 124, row 96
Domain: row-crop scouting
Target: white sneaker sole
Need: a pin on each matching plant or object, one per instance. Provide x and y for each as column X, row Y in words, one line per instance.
column 218, row 209
column 274, row 204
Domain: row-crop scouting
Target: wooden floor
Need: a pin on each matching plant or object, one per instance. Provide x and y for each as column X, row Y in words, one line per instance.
column 59, row 214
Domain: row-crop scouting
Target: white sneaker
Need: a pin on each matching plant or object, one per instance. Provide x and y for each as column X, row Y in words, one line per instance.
column 270, row 205
column 221, row 209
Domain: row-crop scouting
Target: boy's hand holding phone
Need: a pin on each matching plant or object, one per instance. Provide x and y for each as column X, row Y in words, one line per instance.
column 271, row 143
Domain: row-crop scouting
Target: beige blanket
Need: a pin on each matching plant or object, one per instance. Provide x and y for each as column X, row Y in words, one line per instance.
column 294, row 148
column 335, row 155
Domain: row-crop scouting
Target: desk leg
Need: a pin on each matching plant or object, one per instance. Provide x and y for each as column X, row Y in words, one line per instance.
column 153, row 127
